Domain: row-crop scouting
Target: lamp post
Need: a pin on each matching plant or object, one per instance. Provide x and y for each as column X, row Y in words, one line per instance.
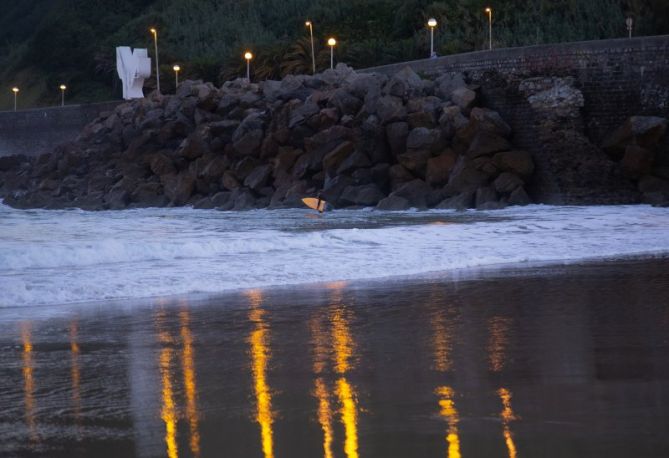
column 176, row 69
column 489, row 12
column 313, row 53
column 248, row 56
column 630, row 25
column 332, row 43
column 154, row 32
column 62, row 94
column 432, row 23
column 15, row 90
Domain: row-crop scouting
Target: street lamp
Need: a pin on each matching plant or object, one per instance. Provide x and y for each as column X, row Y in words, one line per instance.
column 630, row 25
column 15, row 90
column 332, row 43
column 176, row 69
column 154, row 32
column 432, row 23
column 313, row 54
column 248, row 56
column 62, row 94
column 489, row 12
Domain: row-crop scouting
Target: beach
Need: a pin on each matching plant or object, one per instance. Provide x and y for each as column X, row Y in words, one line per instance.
column 555, row 361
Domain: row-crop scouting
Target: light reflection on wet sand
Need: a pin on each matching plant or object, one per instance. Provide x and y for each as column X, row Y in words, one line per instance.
column 422, row 370
column 260, row 355
column 168, row 411
column 190, row 380
column 498, row 328
column 28, row 380
column 449, row 412
column 341, row 353
column 507, row 415
column 76, row 375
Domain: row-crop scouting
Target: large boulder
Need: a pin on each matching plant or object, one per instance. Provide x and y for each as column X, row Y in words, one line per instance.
column 462, row 201
column 365, row 195
column 465, row 177
column 161, row 164
column 415, row 161
column 486, row 198
column 334, row 187
column 637, row 161
column 334, row 158
column 397, row 133
column 439, row 168
column 178, row 188
column 416, row 192
column 507, row 182
column 393, row 203
column 449, row 82
column 485, row 143
column 196, row 145
column 519, row 197
column 643, row 131
column 516, row 161
column 464, row 98
column 404, row 83
column 355, row 160
column 489, row 121
column 422, row 138
column 390, row 109
column 258, row 178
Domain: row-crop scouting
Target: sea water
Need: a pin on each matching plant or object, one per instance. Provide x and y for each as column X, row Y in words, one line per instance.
column 57, row 257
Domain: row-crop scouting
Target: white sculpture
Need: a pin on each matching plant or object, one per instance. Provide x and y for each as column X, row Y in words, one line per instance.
column 133, row 68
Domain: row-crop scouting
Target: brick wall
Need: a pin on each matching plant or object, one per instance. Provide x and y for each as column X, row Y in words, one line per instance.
column 32, row 132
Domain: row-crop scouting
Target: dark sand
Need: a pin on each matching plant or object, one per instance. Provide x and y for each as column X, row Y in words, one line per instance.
column 568, row 361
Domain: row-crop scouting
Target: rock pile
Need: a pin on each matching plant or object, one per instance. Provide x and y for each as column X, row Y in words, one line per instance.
column 360, row 139
column 642, row 148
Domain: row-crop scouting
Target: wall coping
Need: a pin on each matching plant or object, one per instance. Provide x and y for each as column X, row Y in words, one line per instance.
column 613, row 44
column 66, row 107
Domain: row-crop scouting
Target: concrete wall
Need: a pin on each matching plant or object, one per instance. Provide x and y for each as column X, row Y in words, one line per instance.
column 618, row 78
column 32, row 132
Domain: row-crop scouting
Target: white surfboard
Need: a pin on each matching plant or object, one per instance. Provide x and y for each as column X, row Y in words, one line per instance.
column 314, row 203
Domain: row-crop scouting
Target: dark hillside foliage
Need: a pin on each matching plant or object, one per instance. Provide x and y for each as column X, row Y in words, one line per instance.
column 44, row 43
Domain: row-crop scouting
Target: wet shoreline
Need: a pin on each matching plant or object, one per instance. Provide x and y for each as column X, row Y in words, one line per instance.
column 549, row 361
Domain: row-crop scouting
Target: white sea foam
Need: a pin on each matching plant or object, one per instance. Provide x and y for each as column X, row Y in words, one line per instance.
column 56, row 257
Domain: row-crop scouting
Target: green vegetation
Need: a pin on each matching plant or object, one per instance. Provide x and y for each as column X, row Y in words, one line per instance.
column 44, row 43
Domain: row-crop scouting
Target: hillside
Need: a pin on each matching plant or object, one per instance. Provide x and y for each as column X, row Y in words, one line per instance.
column 44, row 43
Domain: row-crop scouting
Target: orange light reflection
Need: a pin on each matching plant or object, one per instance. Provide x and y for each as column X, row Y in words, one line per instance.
column 260, row 355
column 450, row 413
column 190, row 383
column 324, row 416
column 498, row 327
column 507, row 417
column 28, row 381
column 75, row 373
column 168, row 410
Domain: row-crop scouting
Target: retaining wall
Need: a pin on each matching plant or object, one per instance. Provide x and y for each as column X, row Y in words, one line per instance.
column 32, row 132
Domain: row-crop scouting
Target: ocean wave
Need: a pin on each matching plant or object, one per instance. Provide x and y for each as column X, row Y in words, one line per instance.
column 49, row 257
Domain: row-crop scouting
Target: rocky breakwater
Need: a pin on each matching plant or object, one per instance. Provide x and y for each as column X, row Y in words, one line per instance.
column 359, row 139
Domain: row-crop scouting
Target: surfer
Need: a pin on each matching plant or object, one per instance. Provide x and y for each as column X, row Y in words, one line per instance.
column 321, row 208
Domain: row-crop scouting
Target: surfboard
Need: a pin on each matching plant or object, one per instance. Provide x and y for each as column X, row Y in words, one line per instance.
column 313, row 203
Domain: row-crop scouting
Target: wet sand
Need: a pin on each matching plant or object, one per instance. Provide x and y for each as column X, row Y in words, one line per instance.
column 566, row 361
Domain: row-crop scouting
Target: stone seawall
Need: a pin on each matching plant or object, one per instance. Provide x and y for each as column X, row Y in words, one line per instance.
column 32, row 132
column 618, row 78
